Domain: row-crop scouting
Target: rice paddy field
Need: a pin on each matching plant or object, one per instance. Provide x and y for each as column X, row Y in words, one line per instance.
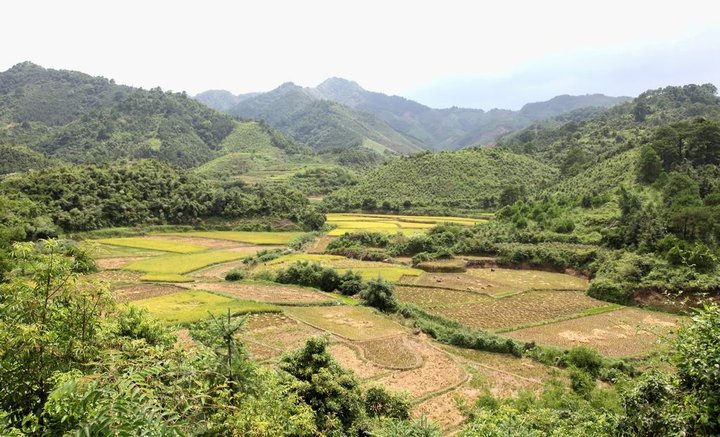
column 179, row 278
column 406, row 224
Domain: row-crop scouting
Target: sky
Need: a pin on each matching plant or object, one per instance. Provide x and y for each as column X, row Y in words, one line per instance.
column 477, row 54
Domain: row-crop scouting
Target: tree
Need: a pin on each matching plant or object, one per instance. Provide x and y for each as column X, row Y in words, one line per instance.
column 649, row 165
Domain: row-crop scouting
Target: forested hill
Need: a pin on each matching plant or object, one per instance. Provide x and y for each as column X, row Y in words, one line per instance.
column 322, row 124
column 289, row 106
column 471, row 179
column 585, row 138
column 74, row 117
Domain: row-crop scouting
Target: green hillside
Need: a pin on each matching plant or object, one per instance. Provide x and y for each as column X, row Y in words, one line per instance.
column 321, row 124
column 20, row 158
column 74, row 117
column 471, row 179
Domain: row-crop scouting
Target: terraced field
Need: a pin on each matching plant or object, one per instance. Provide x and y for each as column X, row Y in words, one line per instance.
column 405, row 224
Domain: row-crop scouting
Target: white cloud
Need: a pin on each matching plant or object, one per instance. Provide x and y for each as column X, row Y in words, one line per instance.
column 389, row 46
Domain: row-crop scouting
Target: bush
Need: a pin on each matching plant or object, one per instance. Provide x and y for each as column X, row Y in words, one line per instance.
column 379, row 294
column 235, row 275
column 581, row 382
column 380, row 403
column 351, row 283
column 585, row 359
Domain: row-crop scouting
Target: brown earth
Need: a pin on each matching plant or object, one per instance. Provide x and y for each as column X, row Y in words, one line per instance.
column 262, row 292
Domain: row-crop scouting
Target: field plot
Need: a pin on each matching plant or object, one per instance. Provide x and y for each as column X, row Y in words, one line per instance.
column 522, row 309
column 430, row 298
column 396, row 352
column 191, row 306
column 277, row 333
column 351, row 322
column 438, row 372
column 497, row 282
column 180, row 264
column 391, row 223
column 623, row 333
column 530, row 279
column 262, row 292
column 349, row 358
column 261, row 238
column 116, row 263
column 165, row 277
column 442, row 410
column 367, row 269
column 143, row 291
column 102, row 251
column 154, row 244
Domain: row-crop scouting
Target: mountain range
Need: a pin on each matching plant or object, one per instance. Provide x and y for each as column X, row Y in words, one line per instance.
column 340, row 113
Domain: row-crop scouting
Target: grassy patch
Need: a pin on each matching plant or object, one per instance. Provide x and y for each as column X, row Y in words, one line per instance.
column 151, row 244
column 262, row 238
column 191, row 306
column 165, row 277
column 353, row 322
column 180, row 264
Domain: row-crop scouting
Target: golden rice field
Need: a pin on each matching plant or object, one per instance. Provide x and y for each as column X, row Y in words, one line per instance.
column 262, row 238
column 180, row 264
column 191, row 306
column 406, row 224
column 153, row 244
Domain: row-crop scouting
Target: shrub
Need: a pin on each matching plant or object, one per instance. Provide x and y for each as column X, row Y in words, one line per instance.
column 380, row 294
column 351, row 283
column 380, row 403
column 235, row 275
column 581, row 382
column 585, row 359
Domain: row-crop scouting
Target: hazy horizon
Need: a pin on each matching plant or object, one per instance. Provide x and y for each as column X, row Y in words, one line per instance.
column 460, row 54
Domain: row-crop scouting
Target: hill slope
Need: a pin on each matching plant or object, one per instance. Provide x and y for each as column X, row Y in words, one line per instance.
column 75, row 117
column 470, row 179
column 322, row 124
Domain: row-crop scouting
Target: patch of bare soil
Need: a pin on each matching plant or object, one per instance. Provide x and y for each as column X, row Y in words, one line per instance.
column 143, row 291
column 184, row 340
column 394, row 352
column 349, row 358
column 457, row 281
column 116, row 263
column 438, row 372
column 262, row 292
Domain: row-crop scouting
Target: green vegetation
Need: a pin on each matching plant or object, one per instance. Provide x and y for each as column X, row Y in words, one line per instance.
column 165, row 277
column 474, row 179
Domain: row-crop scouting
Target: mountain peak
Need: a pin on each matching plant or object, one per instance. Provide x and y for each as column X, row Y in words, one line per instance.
column 338, row 83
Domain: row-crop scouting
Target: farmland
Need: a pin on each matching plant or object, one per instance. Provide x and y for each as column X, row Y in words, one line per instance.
column 178, row 278
column 406, row 224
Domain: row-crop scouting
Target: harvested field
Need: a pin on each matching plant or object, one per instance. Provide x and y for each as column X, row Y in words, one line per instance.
column 143, row 291
column 279, row 332
column 320, row 245
column 390, row 272
column 525, row 368
column 116, row 263
column 438, row 372
column 114, row 276
column 442, row 410
column 352, row 322
column 262, row 238
column 458, row 281
column 627, row 332
column 154, row 244
column 165, row 277
column 521, row 309
column 438, row 297
column 210, row 243
column 263, row 292
column 101, row 251
column 530, row 279
column 348, row 357
column 191, row 306
column 396, row 352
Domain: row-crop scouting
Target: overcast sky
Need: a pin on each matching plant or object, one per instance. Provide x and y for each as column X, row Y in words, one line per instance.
column 442, row 53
